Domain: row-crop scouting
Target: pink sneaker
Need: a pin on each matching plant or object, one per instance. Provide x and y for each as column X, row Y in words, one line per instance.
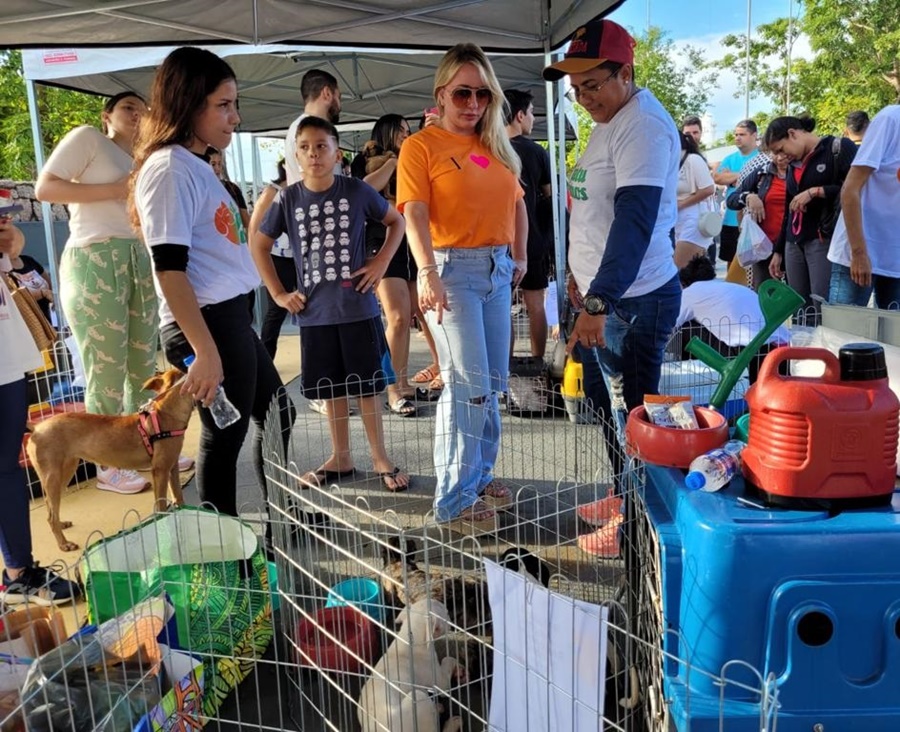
column 603, row 542
column 599, row 512
column 121, row 481
column 185, row 463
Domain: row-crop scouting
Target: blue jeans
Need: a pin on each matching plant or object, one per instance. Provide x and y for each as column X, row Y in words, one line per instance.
column 473, row 350
column 15, row 521
column 844, row 291
column 629, row 366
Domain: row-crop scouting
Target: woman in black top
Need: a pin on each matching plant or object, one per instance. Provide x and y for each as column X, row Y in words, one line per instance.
column 377, row 165
column 29, row 273
column 817, row 171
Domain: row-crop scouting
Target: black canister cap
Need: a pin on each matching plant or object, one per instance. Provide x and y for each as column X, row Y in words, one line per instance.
column 862, row 362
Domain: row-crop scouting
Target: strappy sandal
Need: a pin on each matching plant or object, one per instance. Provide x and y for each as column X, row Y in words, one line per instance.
column 426, row 375
column 402, row 407
column 478, row 512
column 499, row 492
column 436, row 384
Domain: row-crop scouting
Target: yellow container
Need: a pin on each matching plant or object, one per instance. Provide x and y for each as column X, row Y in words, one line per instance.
column 573, row 380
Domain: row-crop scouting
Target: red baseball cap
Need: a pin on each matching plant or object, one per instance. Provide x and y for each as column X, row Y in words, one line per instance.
column 593, row 44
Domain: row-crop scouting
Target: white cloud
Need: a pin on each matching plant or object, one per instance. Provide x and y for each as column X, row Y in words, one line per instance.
column 724, row 108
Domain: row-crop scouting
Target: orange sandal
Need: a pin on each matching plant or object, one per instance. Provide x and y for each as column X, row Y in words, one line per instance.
column 426, row 375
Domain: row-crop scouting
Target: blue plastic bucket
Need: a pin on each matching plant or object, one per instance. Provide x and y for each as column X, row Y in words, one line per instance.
column 361, row 592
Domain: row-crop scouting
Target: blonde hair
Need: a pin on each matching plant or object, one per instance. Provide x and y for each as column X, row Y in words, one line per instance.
column 491, row 128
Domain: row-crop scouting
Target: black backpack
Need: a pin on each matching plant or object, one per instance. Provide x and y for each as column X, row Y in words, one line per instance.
column 831, row 214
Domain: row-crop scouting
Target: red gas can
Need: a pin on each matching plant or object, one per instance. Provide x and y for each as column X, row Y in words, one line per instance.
column 827, row 440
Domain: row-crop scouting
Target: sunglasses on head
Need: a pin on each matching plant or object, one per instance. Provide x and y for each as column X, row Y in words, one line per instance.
column 461, row 95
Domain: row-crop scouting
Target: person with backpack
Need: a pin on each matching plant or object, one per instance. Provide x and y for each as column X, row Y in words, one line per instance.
column 817, row 171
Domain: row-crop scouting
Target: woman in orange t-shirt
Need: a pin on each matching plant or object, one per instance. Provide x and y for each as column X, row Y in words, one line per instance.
column 457, row 185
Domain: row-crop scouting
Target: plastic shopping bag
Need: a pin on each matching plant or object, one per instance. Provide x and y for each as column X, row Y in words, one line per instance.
column 753, row 244
column 216, row 576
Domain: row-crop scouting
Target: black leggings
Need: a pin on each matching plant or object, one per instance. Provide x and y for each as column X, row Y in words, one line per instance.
column 251, row 382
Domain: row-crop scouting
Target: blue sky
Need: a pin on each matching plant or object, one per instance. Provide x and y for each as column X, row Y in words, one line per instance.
column 704, row 26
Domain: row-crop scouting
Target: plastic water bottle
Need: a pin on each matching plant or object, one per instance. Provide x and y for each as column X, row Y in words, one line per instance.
column 712, row 470
column 223, row 412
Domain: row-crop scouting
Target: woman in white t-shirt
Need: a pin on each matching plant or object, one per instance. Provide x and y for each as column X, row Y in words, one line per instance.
column 106, row 286
column 203, row 270
column 695, row 186
column 23, row 579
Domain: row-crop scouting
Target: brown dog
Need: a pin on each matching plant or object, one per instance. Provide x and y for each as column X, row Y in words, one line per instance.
column 58, row 443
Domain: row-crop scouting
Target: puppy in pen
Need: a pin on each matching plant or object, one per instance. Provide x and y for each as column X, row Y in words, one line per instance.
column 398, row 696
column 405, row 583
column 150, row 439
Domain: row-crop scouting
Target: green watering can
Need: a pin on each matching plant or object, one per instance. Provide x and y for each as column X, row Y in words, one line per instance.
column 777, row 302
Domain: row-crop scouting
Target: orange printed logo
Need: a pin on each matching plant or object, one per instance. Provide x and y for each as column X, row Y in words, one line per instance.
column 225, row 224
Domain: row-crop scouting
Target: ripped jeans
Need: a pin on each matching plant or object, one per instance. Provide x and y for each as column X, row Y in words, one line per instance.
column 473, row 350
column 630, row 364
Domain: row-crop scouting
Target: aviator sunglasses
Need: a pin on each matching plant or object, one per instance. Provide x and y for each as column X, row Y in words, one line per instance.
column 461, row 96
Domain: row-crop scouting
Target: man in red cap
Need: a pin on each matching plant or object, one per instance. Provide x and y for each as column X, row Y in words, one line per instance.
column 623, row 276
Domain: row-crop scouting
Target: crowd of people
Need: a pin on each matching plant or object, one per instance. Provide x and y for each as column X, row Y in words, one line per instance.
column 436, row 227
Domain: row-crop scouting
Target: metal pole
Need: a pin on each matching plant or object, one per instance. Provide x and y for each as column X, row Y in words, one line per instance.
column 747, row 92
column 239, row 152
column 46, row 211
column 790, row 55
column 558, row 185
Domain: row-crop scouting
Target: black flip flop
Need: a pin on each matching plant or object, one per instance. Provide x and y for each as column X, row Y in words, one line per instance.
column 392, row 474
column 323, row 476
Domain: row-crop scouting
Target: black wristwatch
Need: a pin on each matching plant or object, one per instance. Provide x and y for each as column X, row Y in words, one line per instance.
column 595, row 305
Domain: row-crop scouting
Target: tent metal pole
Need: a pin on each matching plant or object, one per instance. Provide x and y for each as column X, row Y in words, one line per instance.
column 46, row 210
column 558, row 185
column 256, row 169
column 239, row 152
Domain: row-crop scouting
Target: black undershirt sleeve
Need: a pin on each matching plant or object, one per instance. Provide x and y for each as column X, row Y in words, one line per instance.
column 170, row 257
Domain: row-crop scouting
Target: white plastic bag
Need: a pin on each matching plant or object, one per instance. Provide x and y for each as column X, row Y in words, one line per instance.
column 753, row 244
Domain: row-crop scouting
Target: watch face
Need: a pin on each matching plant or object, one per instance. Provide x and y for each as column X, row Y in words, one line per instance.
column 594, row 305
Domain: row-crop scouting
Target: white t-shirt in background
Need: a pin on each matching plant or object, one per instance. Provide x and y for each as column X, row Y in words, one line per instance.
column 638, row 147
column 880, row 196
column 181, row 201
column 730, row 312
column 86, row 155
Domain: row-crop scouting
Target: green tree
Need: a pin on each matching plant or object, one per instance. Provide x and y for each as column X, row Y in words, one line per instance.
column 855, row 62
column 60, row 110
column 857, row 57
column 680, row 78
column 772, row 75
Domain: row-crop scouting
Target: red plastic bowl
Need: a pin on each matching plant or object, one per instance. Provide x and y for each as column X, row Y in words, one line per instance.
column 353, row 631
column 673, row 447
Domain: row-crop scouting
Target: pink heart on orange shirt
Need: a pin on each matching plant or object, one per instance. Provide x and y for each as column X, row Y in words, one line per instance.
column 480, row 160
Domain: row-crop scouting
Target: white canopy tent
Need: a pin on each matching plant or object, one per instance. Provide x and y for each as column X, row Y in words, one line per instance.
column 315, row 32
column 520, row 26
column 372, row 83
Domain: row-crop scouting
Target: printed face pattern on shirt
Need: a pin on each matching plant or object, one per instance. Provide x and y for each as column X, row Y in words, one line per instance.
column 325, row 242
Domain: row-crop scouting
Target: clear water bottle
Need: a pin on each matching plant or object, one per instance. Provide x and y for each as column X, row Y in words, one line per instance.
column 713, row 470
column 223, row 412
